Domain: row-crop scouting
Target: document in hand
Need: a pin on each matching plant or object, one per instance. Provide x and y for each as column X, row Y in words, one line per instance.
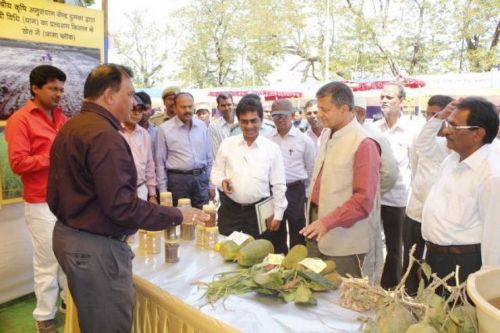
column 264, row 210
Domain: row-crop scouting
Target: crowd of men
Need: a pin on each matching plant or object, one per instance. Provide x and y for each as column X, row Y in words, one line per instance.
column 336, row 182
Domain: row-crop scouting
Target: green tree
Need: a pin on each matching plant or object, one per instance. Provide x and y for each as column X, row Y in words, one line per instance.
column 144, row 48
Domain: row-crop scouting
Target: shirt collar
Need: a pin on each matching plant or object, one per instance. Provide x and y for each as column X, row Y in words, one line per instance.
column 124, row 129
column 225, row 123
column 32, row 107
column 179, row 123
column 258, row 142
column 475, row 160
column 292, row 132
column 96, row 108
column 346, row 128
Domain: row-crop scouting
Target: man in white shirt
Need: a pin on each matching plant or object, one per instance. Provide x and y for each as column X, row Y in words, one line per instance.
column 460, row 215
column 298, row 153
column 247, row 167
column 426, row 155
column 220, row 128
column 315, row 127
column 374, row 260
column 400, row 131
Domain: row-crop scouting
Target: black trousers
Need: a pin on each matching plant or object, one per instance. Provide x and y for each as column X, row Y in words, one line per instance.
column 392, row 220
column 233, row 216
column 99, row 273
column 444, row 263
column 189, row 186
column 294, row 217
column 412, row 234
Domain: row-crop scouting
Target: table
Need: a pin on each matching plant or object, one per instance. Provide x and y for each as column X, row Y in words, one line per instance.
column 171, row 284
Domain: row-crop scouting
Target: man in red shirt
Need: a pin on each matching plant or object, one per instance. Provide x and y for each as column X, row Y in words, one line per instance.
column 344, row 198
column 30, row 132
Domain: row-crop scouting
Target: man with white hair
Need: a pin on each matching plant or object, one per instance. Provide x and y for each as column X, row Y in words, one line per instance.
column 400, row 131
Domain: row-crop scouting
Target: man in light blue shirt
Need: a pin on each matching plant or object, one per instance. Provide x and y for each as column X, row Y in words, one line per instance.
column 184, row 155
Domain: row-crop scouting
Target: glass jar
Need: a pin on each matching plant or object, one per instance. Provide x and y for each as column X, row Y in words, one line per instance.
column 212, row 212
column 184, row 202
column 211, row 237
column 142, row 234
column 170, row 233
column 171, row 251
column 200, row 235
column 153, row 242
column 166, row 199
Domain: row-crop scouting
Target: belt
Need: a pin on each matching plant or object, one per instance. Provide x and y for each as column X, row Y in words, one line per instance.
column 239, row 205
column 121, row 238
column 453, row 249
column 295, row 183
column 194, row 172
column 140, row 184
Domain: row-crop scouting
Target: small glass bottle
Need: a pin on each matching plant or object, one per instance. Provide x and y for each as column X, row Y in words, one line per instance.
column 171, row 251
column 142, row 234
column 188, row 232
column 166, row 199
column 212, row 212
column 211, row 237
column 153, row 242
column 200, row 235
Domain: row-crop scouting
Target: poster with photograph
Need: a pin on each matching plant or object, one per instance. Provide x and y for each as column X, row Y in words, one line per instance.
column 34, row 33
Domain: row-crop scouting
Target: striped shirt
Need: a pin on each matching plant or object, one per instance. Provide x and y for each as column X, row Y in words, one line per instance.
column 218, row 130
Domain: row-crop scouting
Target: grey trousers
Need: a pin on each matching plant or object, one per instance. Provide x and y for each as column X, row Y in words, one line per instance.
column 99, row 273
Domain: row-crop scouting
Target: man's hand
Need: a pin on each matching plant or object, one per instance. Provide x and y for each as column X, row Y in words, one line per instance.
column 272, row 224
column 152, row 199
column 211, row 194
column 193, row 215
column 448, row 109
column 227, row 186
column 315, row 230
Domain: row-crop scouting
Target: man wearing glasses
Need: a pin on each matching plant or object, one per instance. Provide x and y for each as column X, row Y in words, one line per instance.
column 298, row 153
column 460, row 216
column 426, row 155
column 140, row 144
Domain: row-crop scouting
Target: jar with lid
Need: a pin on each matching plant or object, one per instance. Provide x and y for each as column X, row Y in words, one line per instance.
column 211, row 210
column 211, row 236
column 166, row 199
column 188, row 231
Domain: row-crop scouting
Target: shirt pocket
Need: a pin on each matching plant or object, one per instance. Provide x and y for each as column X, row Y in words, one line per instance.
column 260, row 172
column 460, row 210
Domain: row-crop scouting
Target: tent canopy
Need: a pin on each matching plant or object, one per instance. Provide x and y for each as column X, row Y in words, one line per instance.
column 269, row 95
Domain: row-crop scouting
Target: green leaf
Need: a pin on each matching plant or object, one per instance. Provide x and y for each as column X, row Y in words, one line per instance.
column 314, row 277
column 426, row 269
column 421, row 287
column 302, row 294
column 288, row 296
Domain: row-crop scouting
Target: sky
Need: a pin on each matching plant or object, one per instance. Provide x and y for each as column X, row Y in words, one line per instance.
column 161, row 10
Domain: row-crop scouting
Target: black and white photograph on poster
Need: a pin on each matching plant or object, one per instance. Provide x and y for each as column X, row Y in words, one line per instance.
column 18, row 58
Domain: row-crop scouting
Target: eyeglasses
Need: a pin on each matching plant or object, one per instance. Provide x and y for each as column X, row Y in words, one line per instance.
column 456, row 128
column 139, row 109
column 279, row 116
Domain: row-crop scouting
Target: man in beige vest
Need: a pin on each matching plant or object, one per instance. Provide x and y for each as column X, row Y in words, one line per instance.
column 345, row 193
